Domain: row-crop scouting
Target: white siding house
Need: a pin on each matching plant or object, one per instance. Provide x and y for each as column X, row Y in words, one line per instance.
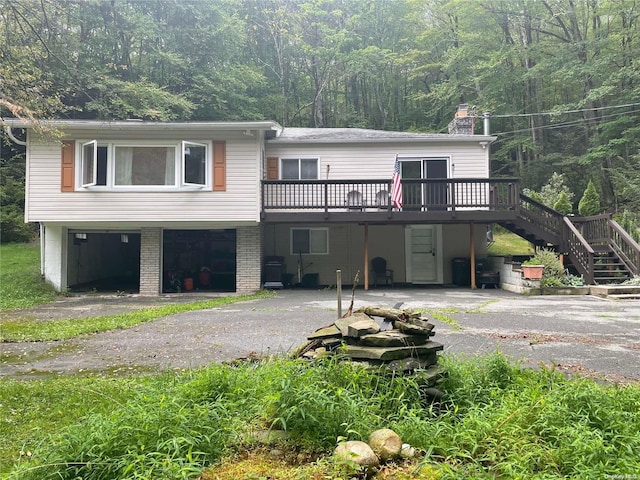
column 160, row 207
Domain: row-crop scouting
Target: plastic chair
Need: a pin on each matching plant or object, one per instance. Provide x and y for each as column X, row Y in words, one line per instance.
column 354, row 200
column 382, row 199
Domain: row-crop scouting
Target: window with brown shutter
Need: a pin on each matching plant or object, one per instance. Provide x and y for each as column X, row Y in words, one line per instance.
column 68, row 166
column 219, row 166
column 272, row 168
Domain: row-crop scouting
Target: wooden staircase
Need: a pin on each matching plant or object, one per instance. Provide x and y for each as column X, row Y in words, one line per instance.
column 597, row 246
column 608, row 268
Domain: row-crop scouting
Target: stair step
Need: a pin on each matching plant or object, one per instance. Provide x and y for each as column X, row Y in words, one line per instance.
column 625, row 296
column 609, row 281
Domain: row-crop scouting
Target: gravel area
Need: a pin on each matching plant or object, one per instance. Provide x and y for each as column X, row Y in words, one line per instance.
column 579, row 334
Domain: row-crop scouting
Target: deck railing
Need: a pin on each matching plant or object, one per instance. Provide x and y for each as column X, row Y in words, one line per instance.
column 545, row 220
column 418, row 194
column 603, row 233
column 579, row 250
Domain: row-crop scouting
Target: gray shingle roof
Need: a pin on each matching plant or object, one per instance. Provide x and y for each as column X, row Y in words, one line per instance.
column 344, row 135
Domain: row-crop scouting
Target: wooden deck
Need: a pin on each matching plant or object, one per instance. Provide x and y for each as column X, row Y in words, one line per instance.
column 460, row 200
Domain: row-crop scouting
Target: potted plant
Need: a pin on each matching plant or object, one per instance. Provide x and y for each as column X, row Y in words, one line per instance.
column 532, row 269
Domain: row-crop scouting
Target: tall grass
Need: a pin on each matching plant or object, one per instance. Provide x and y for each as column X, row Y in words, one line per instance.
column 21, row 285
column 497, row 421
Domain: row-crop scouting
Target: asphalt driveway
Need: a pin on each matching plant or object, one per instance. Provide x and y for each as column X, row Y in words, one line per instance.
column 581, row 334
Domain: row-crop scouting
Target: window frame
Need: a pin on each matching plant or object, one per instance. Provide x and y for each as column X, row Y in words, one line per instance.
column 84, row 164
column 179, row 183
column 111, row 155
column 324, row 230
column 299, row 160
column 207, row 159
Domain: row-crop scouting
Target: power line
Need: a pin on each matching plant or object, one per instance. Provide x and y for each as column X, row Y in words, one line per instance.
column 571, row 123
column 561, row 112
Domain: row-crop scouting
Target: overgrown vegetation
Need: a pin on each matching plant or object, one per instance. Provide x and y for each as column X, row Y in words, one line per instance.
column 497, row 420
column 21, row 285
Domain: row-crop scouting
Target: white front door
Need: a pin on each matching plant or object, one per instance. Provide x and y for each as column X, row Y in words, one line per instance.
column 424, row 258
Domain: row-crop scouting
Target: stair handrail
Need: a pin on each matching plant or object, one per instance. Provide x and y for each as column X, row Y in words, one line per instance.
column 580, row 252
column 545, row 218
column 624, row 246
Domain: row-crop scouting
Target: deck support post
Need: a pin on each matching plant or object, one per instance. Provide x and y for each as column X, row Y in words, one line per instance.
column 472, row 251
column 366, row 256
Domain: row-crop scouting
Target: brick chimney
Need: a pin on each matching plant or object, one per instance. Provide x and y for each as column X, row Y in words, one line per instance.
column 462, row 123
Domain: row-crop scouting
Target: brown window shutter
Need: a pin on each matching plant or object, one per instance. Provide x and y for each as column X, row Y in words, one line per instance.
column 219, row 166
column 68, row 166
column 272, row 168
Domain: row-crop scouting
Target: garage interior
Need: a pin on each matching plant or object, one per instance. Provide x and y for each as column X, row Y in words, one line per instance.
column 103, row 261
column 199, row 260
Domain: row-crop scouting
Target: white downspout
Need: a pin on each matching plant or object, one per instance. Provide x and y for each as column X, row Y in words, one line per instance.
column 43, row 257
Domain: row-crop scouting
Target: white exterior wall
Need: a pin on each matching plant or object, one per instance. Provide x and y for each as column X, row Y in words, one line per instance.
column 54, row 257
column 240, row 202
column 376, row 160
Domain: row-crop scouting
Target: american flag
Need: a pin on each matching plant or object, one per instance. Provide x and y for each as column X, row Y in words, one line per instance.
column 396, row 189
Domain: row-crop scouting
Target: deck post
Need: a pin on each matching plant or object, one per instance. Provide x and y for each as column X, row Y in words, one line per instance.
column 366, row 256
column 339, row 291
column 472, row 251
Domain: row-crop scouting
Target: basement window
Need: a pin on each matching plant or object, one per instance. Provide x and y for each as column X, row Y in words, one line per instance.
column 309, row 241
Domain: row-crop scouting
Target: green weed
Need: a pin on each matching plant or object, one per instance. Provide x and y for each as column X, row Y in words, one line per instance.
column 481, row 308
column 31, row 330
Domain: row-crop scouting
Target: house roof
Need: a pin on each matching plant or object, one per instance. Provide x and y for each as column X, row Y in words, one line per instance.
column 142, row 126
column 356, row 135
column 282, row 135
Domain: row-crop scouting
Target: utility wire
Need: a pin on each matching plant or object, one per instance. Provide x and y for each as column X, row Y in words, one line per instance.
column 560, row 112
column 571, row 123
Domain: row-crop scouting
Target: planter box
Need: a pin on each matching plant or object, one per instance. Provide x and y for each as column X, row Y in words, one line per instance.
column 532, row 272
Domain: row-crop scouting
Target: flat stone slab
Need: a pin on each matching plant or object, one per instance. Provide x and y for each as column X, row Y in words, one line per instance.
column 392, row 338
column 344, row 322
column 326, row 332
column 363, row 327
column 392, row 353
column 415, row 326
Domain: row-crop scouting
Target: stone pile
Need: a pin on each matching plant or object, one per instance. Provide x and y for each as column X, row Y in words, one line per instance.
column 384, row 445
column 397, row 339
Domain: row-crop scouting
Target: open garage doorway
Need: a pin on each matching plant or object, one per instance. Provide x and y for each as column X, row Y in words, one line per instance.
column 103, row 262
column 199, row 260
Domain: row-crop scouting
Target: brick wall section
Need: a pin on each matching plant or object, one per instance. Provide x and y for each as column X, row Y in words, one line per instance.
column 150, row 240
column 248, row 259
